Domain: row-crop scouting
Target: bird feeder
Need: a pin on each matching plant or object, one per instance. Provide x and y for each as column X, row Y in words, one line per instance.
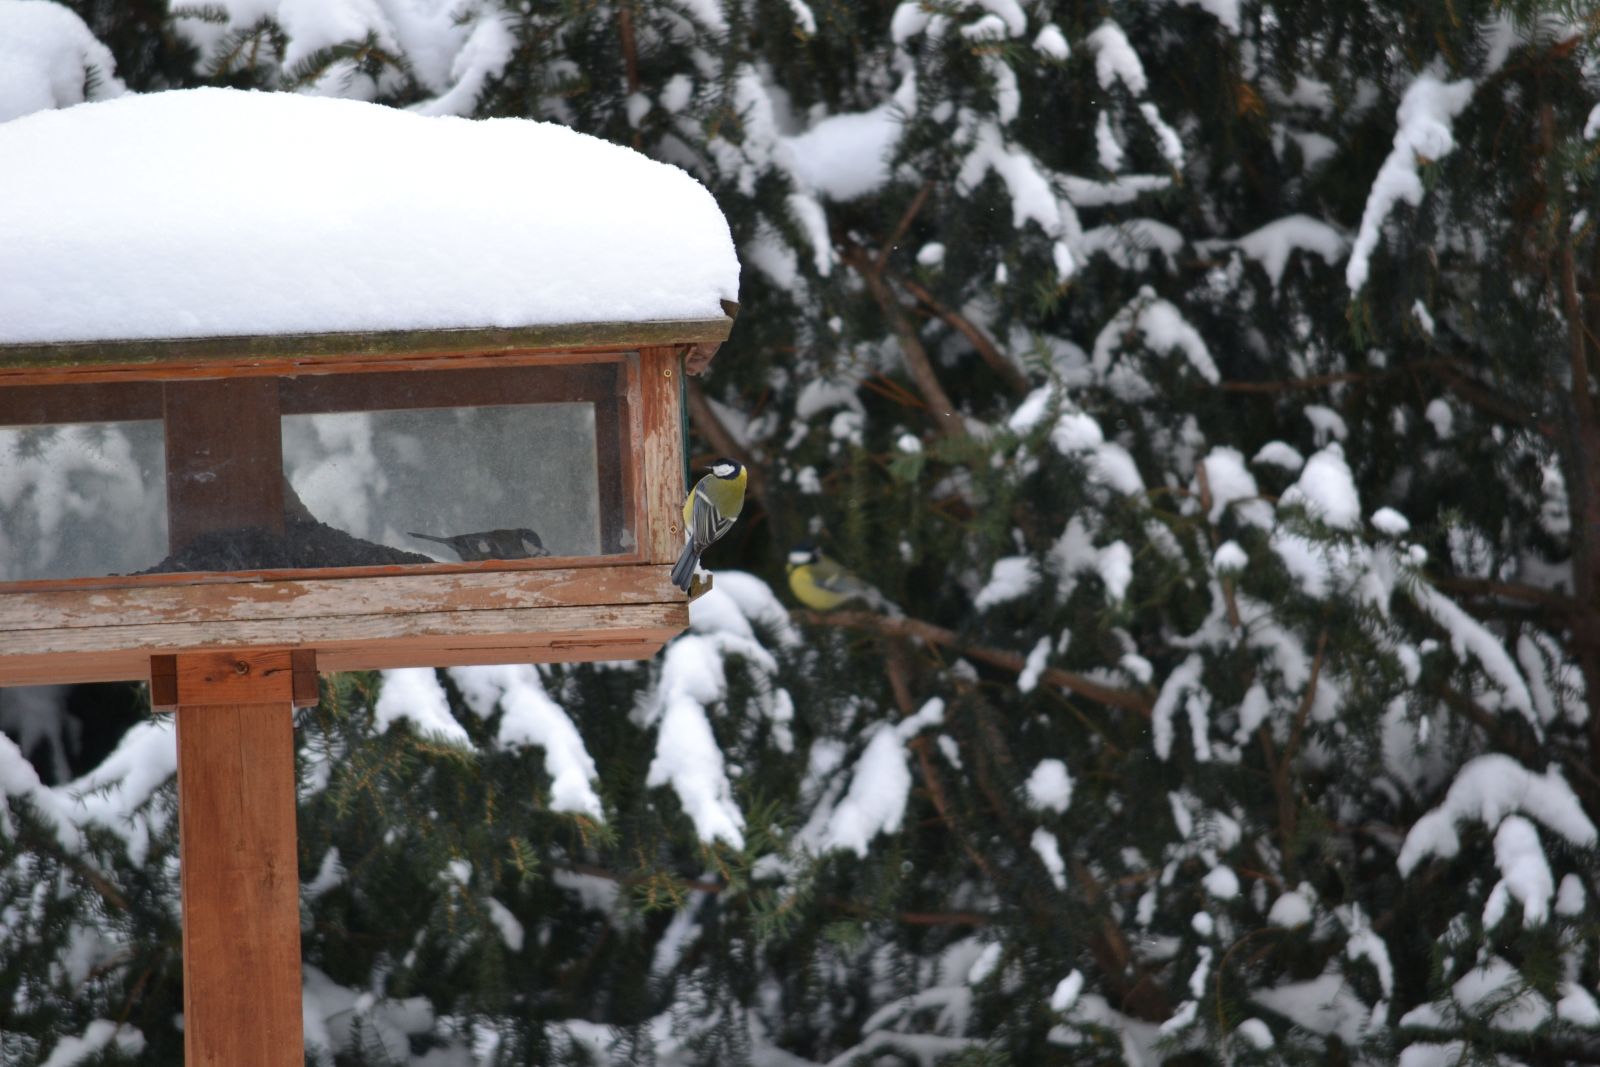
column 417, row 405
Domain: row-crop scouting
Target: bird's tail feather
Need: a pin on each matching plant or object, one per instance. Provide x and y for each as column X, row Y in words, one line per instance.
column 683, row 570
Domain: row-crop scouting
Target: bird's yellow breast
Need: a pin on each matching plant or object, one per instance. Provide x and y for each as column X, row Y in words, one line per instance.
column 803, row 583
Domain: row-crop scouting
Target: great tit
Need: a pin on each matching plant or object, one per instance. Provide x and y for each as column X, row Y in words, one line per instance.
column 823, row 584
column 713, row 505
column 521, row 543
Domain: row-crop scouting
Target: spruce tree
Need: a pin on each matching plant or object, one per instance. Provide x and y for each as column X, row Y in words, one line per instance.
column 1208, row 384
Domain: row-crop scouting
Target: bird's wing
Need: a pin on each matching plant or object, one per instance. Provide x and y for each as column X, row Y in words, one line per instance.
column 835, row 579
column 708, row 523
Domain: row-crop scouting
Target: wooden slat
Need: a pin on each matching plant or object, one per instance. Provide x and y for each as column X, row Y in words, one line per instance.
column 661, row 458
column 133, row 665
column 358, row 346
column 382, row 658
column 331, row 630
column 34, row 405
column 41, row 657
column 327, row 597
column 122, row 375
column 241, row 885
column 224, row 457
column 466, row 387
column 387, row 570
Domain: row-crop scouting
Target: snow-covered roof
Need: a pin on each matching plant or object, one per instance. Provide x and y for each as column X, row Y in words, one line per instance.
column 213, row 212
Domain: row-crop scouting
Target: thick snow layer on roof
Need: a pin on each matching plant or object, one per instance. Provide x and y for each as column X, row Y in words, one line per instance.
column 212, row 212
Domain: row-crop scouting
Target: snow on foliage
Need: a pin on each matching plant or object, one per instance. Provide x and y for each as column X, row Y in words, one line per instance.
column 1115, row 60
column 1162, row 328
column 1227, row 13
column 1327, row 490
column 49, row 59
column 1468, row 636
column 530, row 717
column 1524, row 874
column 102, row 1036
column 1012, row 577
column 1487, row 790
column 1049, row 787
column 1425, row 115
column 278, row 250
column 414, row 693
column 1272, row 244
column 692, row 680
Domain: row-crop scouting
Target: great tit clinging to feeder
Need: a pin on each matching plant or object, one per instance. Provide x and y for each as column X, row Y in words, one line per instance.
column 520, row 543
column 823, row 584
column 713, row 505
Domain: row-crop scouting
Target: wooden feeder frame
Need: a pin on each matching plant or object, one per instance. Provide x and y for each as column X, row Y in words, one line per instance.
column 233, row 652
column 616, row 606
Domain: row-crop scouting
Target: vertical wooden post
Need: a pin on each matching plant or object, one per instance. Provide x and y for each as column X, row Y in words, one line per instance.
column 239, row 863
column 224, row 457
column 661, row 459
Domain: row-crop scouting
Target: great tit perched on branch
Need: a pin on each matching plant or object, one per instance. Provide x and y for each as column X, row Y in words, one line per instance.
column 823, row 584
column 713, row 505
column 520, row 543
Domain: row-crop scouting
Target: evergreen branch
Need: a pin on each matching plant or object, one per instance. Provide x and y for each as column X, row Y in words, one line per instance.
column 1226, row 582
column 1010, row 661
column 1483, row 587
column 1480, row 396
column 900, row 685
column 686, row 884
column 900, row 228
column 1115, row 958
column 892, row 390
column 704, row 418
column 630, row 46
column 918, row 364
column 913, row 918
column 1006, row 370
column 1281, row 767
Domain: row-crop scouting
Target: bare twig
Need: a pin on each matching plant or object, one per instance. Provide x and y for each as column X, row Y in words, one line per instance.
column 915, row 918
column 918, row 364
column 707, row 425
column 1506, row 590
column 900, row 228
column 937, row 635
column 630, row 47
column 1007, row 371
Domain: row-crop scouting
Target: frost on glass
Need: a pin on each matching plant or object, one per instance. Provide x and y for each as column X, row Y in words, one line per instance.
column 477, row 478
column 81, row 500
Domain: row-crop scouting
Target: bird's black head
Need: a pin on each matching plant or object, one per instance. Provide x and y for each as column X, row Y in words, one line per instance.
column 803, row 553
column 531, row 543
column 725, row 468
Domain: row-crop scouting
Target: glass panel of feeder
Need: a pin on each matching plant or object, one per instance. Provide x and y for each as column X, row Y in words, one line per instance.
column 425, row 485
column 81, row 500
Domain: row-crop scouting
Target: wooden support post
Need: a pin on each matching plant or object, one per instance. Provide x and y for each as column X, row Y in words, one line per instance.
column 224, row 457
column 239, row 864
column 661, row 375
